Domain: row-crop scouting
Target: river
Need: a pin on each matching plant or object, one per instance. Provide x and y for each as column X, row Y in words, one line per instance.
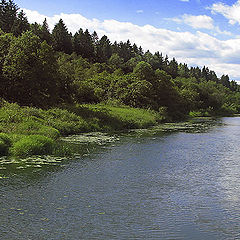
column 179, row 185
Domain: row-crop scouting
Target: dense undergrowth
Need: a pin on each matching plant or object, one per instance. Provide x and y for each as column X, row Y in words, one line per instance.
column 27, row 131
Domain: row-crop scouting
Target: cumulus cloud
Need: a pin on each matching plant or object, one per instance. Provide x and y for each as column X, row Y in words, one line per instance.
column 200, row 22
column 197, row 22
column 140, row 11
column 184, row 0
column 192, row 48
column 231, row 12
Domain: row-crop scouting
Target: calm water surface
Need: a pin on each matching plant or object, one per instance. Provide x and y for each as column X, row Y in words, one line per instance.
column 163, row 186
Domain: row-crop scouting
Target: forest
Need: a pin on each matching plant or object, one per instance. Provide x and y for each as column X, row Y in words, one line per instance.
column 44, row 69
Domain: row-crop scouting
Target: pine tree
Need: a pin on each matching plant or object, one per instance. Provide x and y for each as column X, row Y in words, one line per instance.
column 83, row 44
column 20, row 24
column 8, row 15
column 62, row 41
column 104, row 49
column 225, row 81
column 45, row 33
column 173, row 68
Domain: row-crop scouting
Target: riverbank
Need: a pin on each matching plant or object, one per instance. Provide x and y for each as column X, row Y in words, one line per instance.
column 28, row 131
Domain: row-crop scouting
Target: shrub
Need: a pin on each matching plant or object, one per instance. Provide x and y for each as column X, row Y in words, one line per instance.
column 32, row 145
column 5, row 143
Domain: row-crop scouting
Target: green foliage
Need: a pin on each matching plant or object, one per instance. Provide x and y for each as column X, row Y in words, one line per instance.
column 8, row 15
column 83, row 44
column 61, row 38
column 109, row 118
column 62, row 150
column 198, row 114
column 32, row 145
column 103, row 49
column 116, row 61
column 30, row 67
column 143, row 71
column 20, row 24
column 5, row 143
column 37, row 70
column 42, row 31
column 31, row 127
column 134, row 118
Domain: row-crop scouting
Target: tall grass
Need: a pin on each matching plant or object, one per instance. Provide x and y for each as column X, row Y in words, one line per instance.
column 32, row 145
column 27, row 127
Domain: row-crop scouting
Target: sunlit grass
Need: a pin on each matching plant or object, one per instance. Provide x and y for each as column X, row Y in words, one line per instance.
column 29, row 131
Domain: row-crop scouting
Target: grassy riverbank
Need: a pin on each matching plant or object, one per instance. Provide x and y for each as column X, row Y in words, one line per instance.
column 27, row 131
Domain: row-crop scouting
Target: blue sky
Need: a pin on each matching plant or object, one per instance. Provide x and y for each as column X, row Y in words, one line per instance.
column 198, row 32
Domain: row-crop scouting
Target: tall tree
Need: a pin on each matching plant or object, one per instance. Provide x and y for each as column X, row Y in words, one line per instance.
column 8, row 15
column 45, row 33
column 103, row 49
column 173, row 68
column 20, row 24
column 225, row 81
column 83, row 44
column 62, row 41
column 30, row 67
column 42, row 31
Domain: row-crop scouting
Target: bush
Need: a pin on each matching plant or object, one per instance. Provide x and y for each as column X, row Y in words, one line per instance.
column 5, row 143
column 32, row 145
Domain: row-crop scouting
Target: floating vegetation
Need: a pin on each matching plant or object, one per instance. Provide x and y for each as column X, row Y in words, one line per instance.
column 94, row 137
column 33, row 162
column 198, row 125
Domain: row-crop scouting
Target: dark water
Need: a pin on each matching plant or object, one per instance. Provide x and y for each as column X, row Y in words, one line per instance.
column 163, row 186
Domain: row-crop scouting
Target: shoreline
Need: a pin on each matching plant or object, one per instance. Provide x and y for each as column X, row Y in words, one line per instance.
column 27, row 131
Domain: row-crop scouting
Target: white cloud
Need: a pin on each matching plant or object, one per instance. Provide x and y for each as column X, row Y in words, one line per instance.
column 200, row 22
column 192, row 48
column 232, row 13
column 139, row 11
column 197, row 22
column 219, row 31
column 184, row 0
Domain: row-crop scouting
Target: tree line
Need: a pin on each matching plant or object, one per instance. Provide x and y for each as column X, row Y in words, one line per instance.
column 42, row 68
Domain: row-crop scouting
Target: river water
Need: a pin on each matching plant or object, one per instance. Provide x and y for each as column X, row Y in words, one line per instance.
column 180, row 185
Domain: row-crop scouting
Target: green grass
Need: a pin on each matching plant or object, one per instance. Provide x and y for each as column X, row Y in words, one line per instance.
column 32, row 145
column 111, row 118
column 23, row 129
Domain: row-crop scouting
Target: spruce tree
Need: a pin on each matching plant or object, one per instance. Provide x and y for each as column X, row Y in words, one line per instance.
column 20, row 24
column 62, row 41
column 8, row 15
column 45, row 33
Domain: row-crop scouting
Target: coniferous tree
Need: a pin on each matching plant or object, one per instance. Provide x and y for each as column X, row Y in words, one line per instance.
column 83, row 44
column 20, row 24
column 135, row 49
column 157, row 61
column 173, row 68
column 88, row 45
column 183, row 70
column 8, row 15
column 45, row 32
column 62, row 41
column 225, row 81
column 103, row 49
column 94, row 37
